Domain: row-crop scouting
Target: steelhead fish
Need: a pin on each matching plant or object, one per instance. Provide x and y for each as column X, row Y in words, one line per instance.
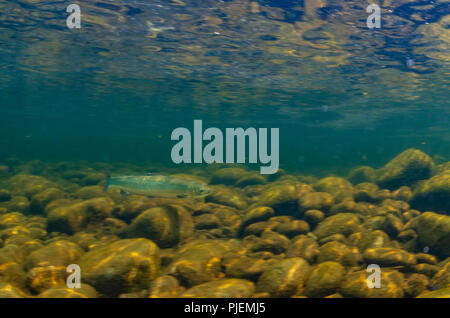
column 159, row 186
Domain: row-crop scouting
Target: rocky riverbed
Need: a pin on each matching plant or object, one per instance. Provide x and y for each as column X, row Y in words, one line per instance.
column 281, row 235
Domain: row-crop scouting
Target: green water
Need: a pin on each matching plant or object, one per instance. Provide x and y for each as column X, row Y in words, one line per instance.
column 110, row 93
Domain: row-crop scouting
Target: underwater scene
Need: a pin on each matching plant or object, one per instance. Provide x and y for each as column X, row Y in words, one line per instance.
column 224, row 149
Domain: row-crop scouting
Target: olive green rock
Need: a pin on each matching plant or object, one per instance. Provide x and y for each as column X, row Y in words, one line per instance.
column 433, row 231
column 416, row 284
column 5, row 195
column 227, row 176
column 85, row 291
column 340, row 253
column 324, row 279
column 18, row 203
column 304, row 247
column 271, row 242
column 282, row 197
column 71, row 217
column 227, row 197
column 89, row 192
column 433, row 194
column 9, row 291
column 45, row 277
column 440, row 293
column 442, row 278
column 165, row 225
column 201, row 261
column 41, row 199
column 93, row 179
column 385, row 256
column 12, row 272
column 248, row 267
column 284, row 278
column 355, row 285
column 293, row 228
column 313, row 217
column 407, row 168
column 165, row 286
column 57, row 253
column 28, row 185
column 254, row 215
column 342, row 223
column 315, row 201
column 122, row 266
column 362, row 174
column 339, row 188
column 224, row 288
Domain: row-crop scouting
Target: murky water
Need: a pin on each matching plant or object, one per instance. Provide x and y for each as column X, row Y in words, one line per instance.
column 79, row 105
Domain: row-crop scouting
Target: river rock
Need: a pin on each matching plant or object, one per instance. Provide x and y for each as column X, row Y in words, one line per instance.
column 405, row 169
column 355, row 285
column 85, row 291
column 433, row 194
column 284, row 278
column 201, row 261
column 165, row 225
column 324, row 279
column 343, row 223
column 122, row 266
column 433, row 231
column 389, row 257
column 224, row 288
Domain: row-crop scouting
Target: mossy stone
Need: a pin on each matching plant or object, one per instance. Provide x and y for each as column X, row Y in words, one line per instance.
column 440, row 293
column 284, row 278
column 122, row 266
column 338, row 252
column 229, row 197
column 9, row 291
column 165, row 286
column 315, row 201
column 71, row 217
column 416, row 284
column 57, row 253
column 405, row 169
column 201, row 261
column 227, row 176
column 324, row 279
column 165, row 225
column 343, row 223
column 433, row 194
column 85, row 291
column 5, row 195
column 362, row 174
column 355, row 285
column 433, row 231
column 89, row 192
column 257, row 214
column 18, row 203
column 304, row 247
column 45, row 277
column 41, row 199
column 223, row 288
column 389, row 257
column 339, row 188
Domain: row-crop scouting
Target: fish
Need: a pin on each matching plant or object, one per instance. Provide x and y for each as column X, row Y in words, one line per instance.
column 159, row 186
